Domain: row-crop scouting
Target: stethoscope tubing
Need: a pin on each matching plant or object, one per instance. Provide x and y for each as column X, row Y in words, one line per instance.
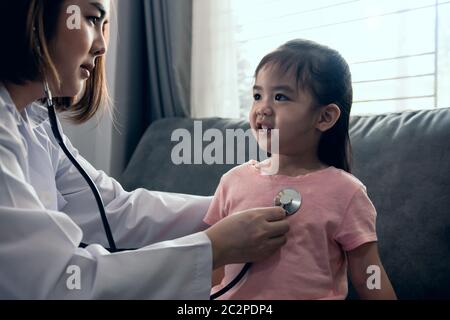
column 96, row 193
column 232, row 282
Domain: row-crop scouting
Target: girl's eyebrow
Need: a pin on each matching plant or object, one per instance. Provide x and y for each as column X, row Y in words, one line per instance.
column 285, row 88
column 100, row 8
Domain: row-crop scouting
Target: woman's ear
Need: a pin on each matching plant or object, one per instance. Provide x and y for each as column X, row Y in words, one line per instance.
column 328, row 116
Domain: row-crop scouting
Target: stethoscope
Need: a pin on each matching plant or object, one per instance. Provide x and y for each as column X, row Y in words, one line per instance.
column 97, row 195
column 289, row 199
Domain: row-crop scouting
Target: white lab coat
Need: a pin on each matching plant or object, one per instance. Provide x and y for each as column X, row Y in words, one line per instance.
column 47, row 209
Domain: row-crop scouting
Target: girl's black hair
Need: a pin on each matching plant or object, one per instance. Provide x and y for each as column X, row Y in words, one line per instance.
column 323, row 73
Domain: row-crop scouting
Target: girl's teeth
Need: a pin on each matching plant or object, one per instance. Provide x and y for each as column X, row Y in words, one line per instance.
column 265, row 129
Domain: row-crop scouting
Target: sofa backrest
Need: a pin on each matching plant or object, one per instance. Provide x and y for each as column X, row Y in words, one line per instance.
column 402, row 158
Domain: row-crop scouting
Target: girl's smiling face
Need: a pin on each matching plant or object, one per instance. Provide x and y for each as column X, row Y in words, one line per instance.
column 74, row 51
column 280, row 104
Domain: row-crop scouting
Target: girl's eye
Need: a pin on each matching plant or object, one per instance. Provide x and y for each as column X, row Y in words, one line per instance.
column 257, row 96
column 95, row 20
column 281, row 97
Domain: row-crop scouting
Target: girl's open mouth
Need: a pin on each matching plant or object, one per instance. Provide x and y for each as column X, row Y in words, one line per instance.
column 264, row 127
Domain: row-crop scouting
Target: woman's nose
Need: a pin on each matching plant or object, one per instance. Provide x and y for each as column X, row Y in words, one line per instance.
column 100, row 52
column 99, row 46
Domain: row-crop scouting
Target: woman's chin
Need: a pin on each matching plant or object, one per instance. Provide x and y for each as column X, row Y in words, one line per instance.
column 73, row 89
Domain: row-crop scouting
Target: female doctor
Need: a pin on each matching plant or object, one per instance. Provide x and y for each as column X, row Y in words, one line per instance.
column 47, row 209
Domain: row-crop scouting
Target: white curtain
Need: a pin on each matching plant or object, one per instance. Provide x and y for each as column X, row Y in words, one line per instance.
column 214, row 87
column 398, row 51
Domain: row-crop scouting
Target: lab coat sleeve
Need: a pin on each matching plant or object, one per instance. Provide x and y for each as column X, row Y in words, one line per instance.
column 137, row 218
column 40, row 258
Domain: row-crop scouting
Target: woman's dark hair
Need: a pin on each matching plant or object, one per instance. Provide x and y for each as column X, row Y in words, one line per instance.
column 26, row 25
column 323, row 73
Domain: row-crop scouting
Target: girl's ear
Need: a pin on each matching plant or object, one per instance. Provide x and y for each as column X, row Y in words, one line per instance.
column 328, row 116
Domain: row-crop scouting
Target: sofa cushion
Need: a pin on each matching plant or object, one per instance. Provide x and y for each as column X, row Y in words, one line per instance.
column 151, row 166
column 402, row 158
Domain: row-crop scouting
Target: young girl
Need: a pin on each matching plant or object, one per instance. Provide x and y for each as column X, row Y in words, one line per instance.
column 303, row 90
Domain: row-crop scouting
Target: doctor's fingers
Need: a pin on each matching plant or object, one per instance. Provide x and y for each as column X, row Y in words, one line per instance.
column 272, row 245
column 277, row 242
column 277, row 228
column 274, row 213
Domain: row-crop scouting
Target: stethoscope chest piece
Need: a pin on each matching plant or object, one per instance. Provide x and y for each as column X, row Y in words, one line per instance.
column 289, row 199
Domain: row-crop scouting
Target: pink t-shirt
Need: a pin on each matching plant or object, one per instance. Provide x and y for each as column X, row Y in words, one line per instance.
column 335, row 216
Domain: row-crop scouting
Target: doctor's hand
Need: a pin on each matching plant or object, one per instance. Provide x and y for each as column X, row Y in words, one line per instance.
column 248, row 236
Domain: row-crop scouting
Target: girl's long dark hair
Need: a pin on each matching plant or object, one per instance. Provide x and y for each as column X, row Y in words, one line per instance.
column 326, row 76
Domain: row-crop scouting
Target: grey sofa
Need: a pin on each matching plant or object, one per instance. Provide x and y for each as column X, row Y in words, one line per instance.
column 402, row 158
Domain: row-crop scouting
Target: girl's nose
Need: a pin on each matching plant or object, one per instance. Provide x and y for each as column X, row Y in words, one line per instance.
column 264, row 110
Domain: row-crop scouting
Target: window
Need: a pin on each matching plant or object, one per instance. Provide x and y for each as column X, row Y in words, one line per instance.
column 398, row 50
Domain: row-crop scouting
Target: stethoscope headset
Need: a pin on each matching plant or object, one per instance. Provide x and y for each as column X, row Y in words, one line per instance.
column 289, row 199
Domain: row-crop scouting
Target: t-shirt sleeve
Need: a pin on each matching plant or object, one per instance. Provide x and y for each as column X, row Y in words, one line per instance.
column 359, row 222
column 217, row 210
